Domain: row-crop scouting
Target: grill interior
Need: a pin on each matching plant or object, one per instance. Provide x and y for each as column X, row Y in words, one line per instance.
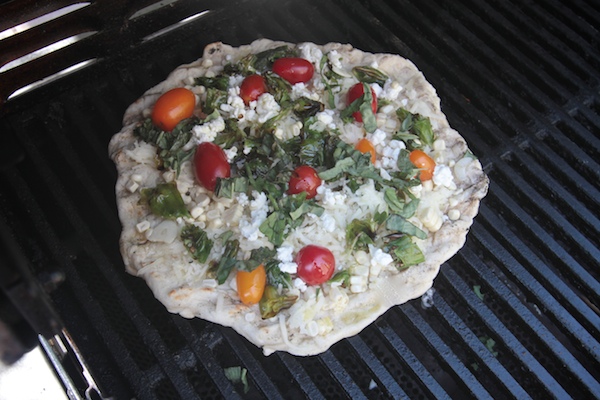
column 515, row 312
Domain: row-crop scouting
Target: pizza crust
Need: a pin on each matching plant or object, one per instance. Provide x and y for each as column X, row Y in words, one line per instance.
column 185, row 293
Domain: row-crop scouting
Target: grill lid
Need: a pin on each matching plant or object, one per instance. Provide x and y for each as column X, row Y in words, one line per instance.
column 515, row 312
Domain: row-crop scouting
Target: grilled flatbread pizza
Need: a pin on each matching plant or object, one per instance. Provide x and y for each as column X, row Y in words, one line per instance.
column 293, row 192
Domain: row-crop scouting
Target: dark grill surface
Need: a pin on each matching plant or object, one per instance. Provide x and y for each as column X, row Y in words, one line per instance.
column 520, row 80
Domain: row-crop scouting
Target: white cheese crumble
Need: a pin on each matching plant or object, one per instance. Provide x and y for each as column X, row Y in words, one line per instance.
column 442, row 176
column 207, row 132
column 266, row 107
column 259, row 209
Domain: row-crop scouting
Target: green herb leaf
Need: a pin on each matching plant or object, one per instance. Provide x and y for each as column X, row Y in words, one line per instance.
column 170, row 144
column 226, row 187
column 400, row 224
column 414, row 128
column 477, row 290
column 197, row 242
column 231, row 135
column 276, row 277
column 220, row 82
column 368, row 74
column 228, row 260
column 237, row 375
column 343, row 277
column 165, row 201
column 214, row 99
column 359, row 234
column 406, row 252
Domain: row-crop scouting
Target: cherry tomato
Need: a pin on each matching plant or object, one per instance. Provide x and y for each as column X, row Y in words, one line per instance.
column 365, row 146
column 316, row 264
column 252, row 87
column 173, row 107
column 425, row 164
column 354, row 93
column 304, row 179
column 293, row 69
column 210, row 163
column 251, row 285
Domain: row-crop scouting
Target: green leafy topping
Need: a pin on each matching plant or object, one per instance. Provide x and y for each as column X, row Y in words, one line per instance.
column 259, row 62
column 330, row 79
column 220, row 82
column 414, row 128
column 477, row 290
column 237, row 375
column 398, row 223
column 360, row 234
column 226, row 187
column 343, row 277
column 231, row 136
column 165, row 201
column 171, row 152
column 368, row 74
column 405, row 252
column 272, row 302
column 398, row 206
column 228, row 260
column 288, row 215
column 489, row 344
column 197, row 242
column 277, row 277
column 214, row 99
column 363, row 105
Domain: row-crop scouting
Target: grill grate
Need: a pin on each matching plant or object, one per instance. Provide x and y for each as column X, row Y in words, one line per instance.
column 515, row 313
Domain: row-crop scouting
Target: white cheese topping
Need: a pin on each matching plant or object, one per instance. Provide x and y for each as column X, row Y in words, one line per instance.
column 207, row 132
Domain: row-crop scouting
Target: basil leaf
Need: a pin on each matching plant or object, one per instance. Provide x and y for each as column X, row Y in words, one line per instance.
column 369, row 75
column 228, row 260
column 171, row 152
column 359, row 235
column 366, row 110
column 214, row 99
column 226, row 187
column 398, row 206
column 343, row 277
column 407, row 169
column 197, row 242
column 231, row 135
column 406, row 252
column 220, row 82
column 413, row 127
column 165, row 201
column 274, row 226
column 276, row 277
column 363, row 105
column 400, row 224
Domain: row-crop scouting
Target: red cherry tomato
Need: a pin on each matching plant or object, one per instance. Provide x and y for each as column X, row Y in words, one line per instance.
column 354, row 93
column 425, row 164
column 173, row 107
column 316, row 264
column 304, row 179
column 210, row 163
column 365, row 146
column 252, row 87
column 251, row 285
column 293, row 69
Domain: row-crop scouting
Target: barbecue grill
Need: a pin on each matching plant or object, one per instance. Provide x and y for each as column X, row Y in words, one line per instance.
column 515, row 314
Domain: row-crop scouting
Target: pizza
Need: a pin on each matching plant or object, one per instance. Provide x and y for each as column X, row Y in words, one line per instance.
column 292, row 192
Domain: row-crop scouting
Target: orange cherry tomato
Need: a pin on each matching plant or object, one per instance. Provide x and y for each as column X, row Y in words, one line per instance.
column 251, row 285
column 173, row 107
column 365, row 146
column 425, row 164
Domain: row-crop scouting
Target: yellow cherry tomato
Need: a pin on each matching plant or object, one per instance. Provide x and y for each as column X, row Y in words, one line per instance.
column 425, row 164
column 251, row 285
column 365, row 146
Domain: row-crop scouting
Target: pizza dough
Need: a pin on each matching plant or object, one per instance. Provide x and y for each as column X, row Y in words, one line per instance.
column 322, row 315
